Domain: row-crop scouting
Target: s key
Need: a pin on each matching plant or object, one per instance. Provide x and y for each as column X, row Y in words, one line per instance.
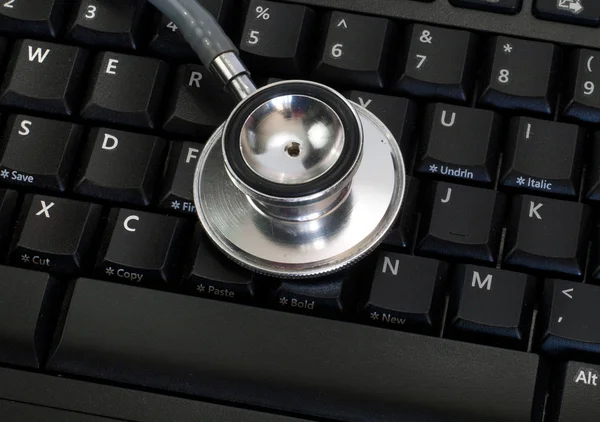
column 547, row 235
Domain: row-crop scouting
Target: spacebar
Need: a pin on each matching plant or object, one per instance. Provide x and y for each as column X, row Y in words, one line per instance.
column 297, row 364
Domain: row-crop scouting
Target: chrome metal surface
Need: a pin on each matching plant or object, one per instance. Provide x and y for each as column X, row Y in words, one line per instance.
column 351, row 228
column 241, row 87
column 292, row 139
column 233, row 74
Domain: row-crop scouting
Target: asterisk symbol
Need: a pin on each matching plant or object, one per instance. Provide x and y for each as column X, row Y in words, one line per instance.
column 520, row 181
column 25, row 258
column 200, row 288
column 433, row 168
column 374, row 316
column 283, row 301
column 110, row 271
column 508, row 48
column 175, row 205
column 4, row 173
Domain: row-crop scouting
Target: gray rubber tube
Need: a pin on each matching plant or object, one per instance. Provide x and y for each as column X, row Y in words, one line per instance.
column 198, row 27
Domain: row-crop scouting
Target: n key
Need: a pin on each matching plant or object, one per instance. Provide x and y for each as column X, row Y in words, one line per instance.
column 547, row 235
column 54, row 234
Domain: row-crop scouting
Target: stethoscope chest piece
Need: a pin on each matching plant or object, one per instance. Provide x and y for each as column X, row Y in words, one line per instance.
column 299, row 181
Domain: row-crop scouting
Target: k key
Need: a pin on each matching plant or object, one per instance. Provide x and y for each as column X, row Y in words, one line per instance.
column 582, row 100
column 547, row 235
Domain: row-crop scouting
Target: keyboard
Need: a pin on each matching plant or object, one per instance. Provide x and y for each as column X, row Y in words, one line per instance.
column 480, row 305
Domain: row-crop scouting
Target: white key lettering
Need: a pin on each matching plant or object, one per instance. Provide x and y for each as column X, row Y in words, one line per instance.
column 452, row 119
column 112, row 66
column 45, row 209
column 111, row 138
column 448, row 195
column 191, row 155
column 127, row 220
column 533, row 210
column 387, row 263
column 485, row 283
column 38, row 54
column 25, row 128
column 195, row 78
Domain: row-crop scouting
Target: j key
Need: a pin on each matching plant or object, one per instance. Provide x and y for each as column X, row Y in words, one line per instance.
column 461, row 222
column 399, row 116
column 543, row 156
column 406, row 293
column 141, row 248
column 28, row 303
column 125, row 90
column 491, row 306
column 500, row 6
column 8, row 204
column 355, row 50
column 583, row 96
column 54, row 234
column 39, row 153
column 402, row 235
column 214, row 275
column 32, row 17
column 198, row 105
column 576, row 396
column 547, row 235
column 459, row 142
column 570, row 319
column 168, row 41
column 108, row 23
column 315, row 376
column 44, row 77
column 176, row 194
column 592, row 185
column 571, row 11
column 276, row 37
column 521, row 75
column 436, row 63
column 120, row 166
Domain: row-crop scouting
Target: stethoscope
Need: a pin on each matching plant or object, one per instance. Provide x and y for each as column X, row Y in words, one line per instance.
column 299, row 181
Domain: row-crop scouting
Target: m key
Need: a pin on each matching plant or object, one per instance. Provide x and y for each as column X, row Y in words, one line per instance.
column 462, row 222
column 547, row 235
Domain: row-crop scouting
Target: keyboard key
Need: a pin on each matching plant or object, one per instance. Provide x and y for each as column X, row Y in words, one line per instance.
column 575, row 396
column 572, row 11
column 397, row 114
column 39, row 152
column 54, row 234
column 176, row 193
column 547, row 235
column 594, row 258
column 406, row 293
column 8, row 205
column 499, row 6
column 355, row 50
column 120, row 166
column 491, row 306
column 403, row 233
column 44, row 77
column 459, row 143
column 198, row 104
column 582, row 100
column 461, row 222
column 213, row 275
column 521, row 75
column 141, row 248
column 304, row 355
column 570, row 319
column 38, row 18
column 28, row 304
column 276, row 37
column 436, row 63
column 125, row 90
column 592, row 183
column 108, row 23
column 543, row 156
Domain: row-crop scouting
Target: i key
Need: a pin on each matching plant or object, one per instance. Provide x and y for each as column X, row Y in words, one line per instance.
column 547, row 235
column 120, row 166
column 198, row 104
column 54, row 234
column 141, row 248
column 583, row 94
column 406, row 293
column 459, row 143
column 520, row 75
column 276, row 37
column 543, row 156
column 491, row 306
column 176, row 193
column 43, row 77
column 461, row 222
column 355, row 50
column 109, row 23
column 39, row 153
column 125, row 90
column 32, row 17
column 436, row 63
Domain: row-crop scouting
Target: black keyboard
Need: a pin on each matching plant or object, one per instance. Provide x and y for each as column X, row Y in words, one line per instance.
column 481, row 305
